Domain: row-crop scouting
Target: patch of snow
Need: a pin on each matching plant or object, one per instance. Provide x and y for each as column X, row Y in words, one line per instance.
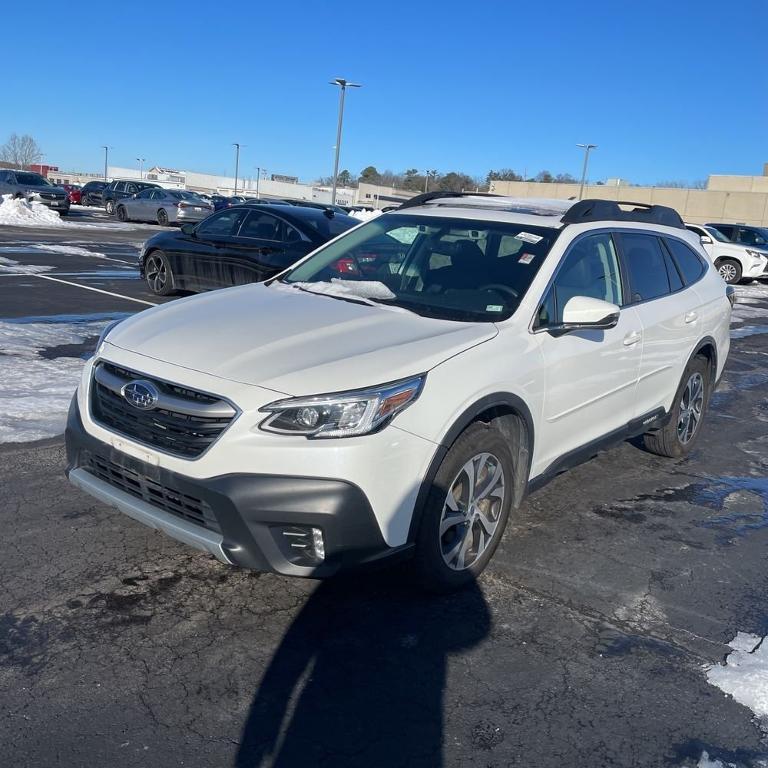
column 35, row 392
column 706, row 762
column 748, row 330
column 362, row 289
column 744, row 675
column 364, row 215
column 22, row 213
column 743, row 312
column 9, row 266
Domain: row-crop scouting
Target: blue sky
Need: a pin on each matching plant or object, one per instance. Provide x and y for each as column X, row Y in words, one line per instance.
column 668, row 89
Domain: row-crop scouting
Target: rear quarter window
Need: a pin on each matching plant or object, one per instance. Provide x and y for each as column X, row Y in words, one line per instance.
column 690, row 264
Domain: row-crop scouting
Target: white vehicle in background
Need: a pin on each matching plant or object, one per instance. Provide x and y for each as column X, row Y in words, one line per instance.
column 734, row 262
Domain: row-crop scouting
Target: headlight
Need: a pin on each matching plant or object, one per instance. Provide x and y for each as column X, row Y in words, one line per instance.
column 343, row 414
column 106, row 332
column 756, row 254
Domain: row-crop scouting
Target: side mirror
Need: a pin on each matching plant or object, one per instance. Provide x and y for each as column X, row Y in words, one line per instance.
column 706, row 240
column 188, row 229
column 583, row 313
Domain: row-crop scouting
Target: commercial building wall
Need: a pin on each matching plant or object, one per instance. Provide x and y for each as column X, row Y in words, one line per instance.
column 695, row 205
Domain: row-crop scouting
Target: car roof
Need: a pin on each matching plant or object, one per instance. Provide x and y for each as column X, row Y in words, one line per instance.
column 297, row 212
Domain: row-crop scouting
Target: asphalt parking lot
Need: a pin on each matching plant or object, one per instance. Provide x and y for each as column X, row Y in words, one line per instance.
column 586, row 642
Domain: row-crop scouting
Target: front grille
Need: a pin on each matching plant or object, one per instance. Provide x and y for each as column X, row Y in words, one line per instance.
column 51, row 196
column 184, row 422
column 142, row 487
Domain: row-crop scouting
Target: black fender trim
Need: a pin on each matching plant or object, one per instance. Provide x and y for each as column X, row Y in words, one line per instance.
column 706, row 342
column 495, row 400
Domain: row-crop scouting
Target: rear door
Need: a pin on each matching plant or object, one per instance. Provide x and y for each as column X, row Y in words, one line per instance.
column 591, row 375
column 138, row 207
column 669, row 314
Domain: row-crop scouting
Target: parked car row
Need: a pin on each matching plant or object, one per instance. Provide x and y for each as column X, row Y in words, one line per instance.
column 733, row 258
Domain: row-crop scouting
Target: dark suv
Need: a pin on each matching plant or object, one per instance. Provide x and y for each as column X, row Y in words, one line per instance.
column 744, row 234
column 90, row 194
column 117, row 190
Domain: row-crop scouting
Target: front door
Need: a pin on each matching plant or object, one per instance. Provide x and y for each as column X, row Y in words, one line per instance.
column 591, row 375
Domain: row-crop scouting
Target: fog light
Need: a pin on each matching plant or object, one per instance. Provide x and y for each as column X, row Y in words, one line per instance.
column 318, row 544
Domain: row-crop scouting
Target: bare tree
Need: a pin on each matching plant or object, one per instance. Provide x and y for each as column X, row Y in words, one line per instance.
column 22, row 151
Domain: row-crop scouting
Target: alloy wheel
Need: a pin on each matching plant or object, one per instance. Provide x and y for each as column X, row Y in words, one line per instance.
column 691, row 408
column 472, row 511
column 156, row 273
column 727, row 272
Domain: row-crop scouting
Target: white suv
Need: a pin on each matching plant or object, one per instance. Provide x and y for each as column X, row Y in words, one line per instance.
column 734, row 262
column 401, row 389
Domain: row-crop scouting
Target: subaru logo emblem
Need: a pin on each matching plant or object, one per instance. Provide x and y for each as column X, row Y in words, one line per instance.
column 141, row 394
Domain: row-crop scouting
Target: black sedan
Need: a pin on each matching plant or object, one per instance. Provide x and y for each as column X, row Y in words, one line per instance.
column 242, row 244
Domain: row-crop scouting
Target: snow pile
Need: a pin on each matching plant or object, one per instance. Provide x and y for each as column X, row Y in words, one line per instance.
column 745, row 673
column 364, row 215
column 363, row 289
column 11, row 267
column 35, row 392
column 21, row 213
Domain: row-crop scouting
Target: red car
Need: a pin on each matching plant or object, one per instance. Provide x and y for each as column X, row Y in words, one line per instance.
column 73, row 192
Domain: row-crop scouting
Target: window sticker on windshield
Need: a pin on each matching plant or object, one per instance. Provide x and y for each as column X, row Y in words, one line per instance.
column 494, row 308
column 527, row 237
column 526, row 258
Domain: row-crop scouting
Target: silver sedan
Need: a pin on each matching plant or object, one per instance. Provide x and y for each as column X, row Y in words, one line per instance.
column 164, row 206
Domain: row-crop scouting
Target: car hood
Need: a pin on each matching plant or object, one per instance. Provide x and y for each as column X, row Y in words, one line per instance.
column 294, row 342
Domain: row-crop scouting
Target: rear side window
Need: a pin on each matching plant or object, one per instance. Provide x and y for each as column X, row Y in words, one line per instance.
column 688, row 262
column 646, row 267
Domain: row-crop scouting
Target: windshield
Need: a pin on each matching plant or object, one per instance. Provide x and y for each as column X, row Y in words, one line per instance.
column 719, row 236
column 32, row 180
column 453, row 269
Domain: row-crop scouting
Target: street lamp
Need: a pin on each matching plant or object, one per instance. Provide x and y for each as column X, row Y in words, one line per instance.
column 343, row 85
column 259, row 171
column 140, row 161
column 237, row 161
column 586, row 148
column 427, row 175
column 106, row 159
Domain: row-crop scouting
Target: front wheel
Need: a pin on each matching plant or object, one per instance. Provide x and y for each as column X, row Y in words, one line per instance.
column 729, row 270
column 109, row 207
column 159, row 275
column 691, row 401
column 466, row 510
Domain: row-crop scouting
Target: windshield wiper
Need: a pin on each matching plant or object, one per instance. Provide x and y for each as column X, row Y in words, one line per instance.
column 343, row 297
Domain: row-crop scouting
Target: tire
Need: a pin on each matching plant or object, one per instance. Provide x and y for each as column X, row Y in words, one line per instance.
column 670, row 441
column 471, row 533
column 122, row 214
column 729, row 270
column 162, row 218
column 159, row 275
column 109, row 207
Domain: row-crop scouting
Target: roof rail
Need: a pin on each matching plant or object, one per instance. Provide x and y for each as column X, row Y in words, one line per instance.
column 610, row 210
column 427, row 196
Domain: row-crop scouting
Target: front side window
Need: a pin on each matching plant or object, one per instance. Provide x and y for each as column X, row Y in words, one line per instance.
column 143, row 195
column 120, row 186
column 690, row 265
column 590, row 268
column 448, row 268
column 646, row 267
column 727, row 230
column 261, row 226
column 223, row 224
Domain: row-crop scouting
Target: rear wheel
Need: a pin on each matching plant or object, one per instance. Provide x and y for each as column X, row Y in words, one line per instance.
column 466, row 510
column 162, row 218
column 729, row 270
column 109, row 206
column 122, row 214
column 159, row 275
column 691, row 400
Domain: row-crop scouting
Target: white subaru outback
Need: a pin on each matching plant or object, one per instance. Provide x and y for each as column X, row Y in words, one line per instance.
column 401, row 389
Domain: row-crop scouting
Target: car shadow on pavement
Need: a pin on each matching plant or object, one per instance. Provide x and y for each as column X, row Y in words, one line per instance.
column 358, row 678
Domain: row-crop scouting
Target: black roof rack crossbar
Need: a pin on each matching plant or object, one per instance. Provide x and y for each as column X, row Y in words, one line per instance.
column 610, row 210
column 427, row 196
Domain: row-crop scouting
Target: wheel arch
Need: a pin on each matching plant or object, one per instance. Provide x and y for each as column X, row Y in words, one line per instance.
column 508, row 413
column 707, row 348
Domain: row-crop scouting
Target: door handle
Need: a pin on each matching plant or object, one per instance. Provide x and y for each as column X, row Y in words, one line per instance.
column 632, row 338
column 691, row 317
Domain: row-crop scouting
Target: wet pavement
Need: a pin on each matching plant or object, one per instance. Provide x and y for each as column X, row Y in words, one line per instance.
column 584, row 644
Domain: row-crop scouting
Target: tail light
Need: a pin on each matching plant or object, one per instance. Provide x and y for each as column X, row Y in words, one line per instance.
column 345, row 266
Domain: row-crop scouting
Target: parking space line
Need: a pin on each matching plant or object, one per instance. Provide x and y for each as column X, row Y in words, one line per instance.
column 90, row 288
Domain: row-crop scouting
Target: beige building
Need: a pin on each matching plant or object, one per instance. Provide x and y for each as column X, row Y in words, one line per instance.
column 738, row 199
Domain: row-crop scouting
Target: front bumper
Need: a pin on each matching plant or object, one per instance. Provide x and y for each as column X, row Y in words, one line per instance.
column 54, row 205
column 251, row 512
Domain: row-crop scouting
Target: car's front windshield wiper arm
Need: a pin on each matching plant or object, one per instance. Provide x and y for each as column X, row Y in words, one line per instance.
column 343, row 297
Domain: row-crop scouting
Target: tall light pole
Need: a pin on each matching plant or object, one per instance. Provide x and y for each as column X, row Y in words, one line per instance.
column 587, row 148
column 237, row 161
column 259, row 171
column 106, row 159
column 140, row 161
column 343, row 85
